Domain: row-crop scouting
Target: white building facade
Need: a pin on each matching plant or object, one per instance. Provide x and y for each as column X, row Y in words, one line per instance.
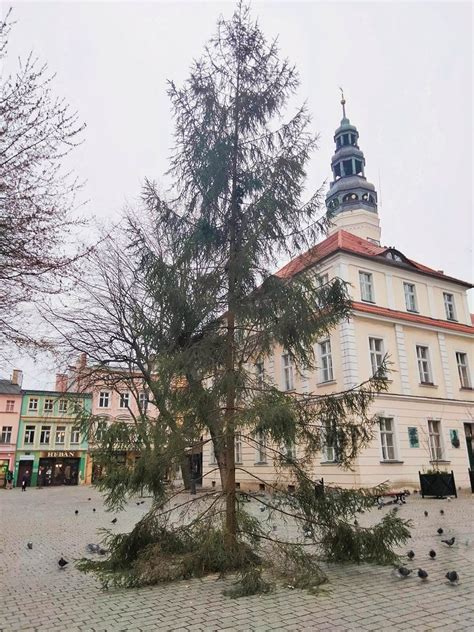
column 418, row 316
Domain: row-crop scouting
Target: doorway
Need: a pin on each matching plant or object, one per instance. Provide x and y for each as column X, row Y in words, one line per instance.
column 25, row 469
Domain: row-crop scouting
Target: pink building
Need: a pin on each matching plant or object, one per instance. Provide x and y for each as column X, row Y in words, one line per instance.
column 10, row 408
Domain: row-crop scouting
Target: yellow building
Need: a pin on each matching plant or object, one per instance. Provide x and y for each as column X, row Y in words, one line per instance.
column 417, row 315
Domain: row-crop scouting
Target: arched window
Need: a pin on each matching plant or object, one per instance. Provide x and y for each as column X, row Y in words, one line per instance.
column 350, row 197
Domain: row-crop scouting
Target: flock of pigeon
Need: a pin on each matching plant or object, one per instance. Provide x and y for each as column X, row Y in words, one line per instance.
column 452, row 576
column 402, row 571
column 90, row 548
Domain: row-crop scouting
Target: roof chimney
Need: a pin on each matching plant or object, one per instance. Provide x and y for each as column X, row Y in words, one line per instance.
column 61, row 382
column 17, row 377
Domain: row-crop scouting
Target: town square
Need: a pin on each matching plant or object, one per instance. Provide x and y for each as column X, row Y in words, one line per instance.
column 236, row 316
column 38, row 596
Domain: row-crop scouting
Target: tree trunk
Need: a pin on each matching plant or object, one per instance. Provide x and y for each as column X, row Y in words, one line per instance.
column 185, row 471
column 232, row 301
column 230, row 512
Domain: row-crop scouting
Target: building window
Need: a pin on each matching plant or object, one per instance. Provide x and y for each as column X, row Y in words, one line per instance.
column 6, row 436
column 124, row 400
column 48, row 405
column 10, row 406
column 410, row 297
column 387, row 439
column 434, row 432
column 261, row 447
column 45, row 435
column 142, row 402
column 75, row 435
column 259, row 373
column 463, row 370
column 60, row 435
column 104, row 399
column 63, row 405
column 326, row 361
column 29, row 434
column 424, row 365
column 33, row 403
column 238, row 448
column 101, row 429
column 376, row 354
column 329, row 442
column 289, row 450
column 288, row 372
column 366, row 287
column 323, row 279
column 449, row 306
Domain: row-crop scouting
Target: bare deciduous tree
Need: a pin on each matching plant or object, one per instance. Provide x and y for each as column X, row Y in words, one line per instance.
column 37, row 193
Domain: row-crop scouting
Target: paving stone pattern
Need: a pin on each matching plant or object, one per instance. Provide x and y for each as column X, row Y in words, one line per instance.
column 36, row 595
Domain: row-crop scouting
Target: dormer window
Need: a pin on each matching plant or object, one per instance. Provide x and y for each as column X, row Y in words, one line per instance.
column 366, row 287
column 449, row 306
column 337, row 170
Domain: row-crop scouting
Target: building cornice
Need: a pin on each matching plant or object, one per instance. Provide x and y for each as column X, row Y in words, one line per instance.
column 424, row 398
column 376, row 312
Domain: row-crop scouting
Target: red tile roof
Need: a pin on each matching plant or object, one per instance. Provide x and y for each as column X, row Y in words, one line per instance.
column 347, row 242
column 414, row 318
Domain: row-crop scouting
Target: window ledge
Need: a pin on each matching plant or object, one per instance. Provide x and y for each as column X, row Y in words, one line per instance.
column 428, row 384
column 290, row 390
column 326, row 383
column 388, row 461
column 442, row 461
column 329, row 463
column 364, row 300
column 413, row 311
column 466, row 388
column 261, row 463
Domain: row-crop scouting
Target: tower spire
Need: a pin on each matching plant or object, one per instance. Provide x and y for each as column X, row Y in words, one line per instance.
column 351, row 201
column 343, row 103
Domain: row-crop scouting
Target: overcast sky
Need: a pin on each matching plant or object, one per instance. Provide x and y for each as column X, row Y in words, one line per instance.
column 406, row 69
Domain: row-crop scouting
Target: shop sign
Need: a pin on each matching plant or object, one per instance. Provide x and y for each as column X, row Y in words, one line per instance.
column 62, row 454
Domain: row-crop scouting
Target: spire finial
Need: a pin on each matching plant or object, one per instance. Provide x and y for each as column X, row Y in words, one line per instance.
column 343, row 103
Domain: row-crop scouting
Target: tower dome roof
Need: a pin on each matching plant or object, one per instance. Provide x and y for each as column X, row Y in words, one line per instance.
column 349, row 188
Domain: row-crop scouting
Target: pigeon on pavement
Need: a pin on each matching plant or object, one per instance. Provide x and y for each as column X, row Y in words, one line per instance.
column 93, row 548
column 62, row 562
column 441, row 511
column 89, row 499
column 426, row 514
column 76, row 511
column 422, row 574
column 440, row 531
column 403, row 572
column 30, row 545
column 93, row 509
column 410, row 555
column 449, row 542
column 114, row 521
column 432, row 554
column 452, row 576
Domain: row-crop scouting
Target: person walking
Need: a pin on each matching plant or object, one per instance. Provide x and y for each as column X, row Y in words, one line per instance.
column 9, row 479
column 24, row 481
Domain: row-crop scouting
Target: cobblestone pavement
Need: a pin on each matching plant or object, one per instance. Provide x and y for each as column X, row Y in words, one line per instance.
column 36, row 595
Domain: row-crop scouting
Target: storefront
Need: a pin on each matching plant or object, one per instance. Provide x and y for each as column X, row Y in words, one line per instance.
column 50, row 468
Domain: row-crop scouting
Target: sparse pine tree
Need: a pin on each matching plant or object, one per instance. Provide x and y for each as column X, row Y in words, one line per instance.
column 192, row 303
